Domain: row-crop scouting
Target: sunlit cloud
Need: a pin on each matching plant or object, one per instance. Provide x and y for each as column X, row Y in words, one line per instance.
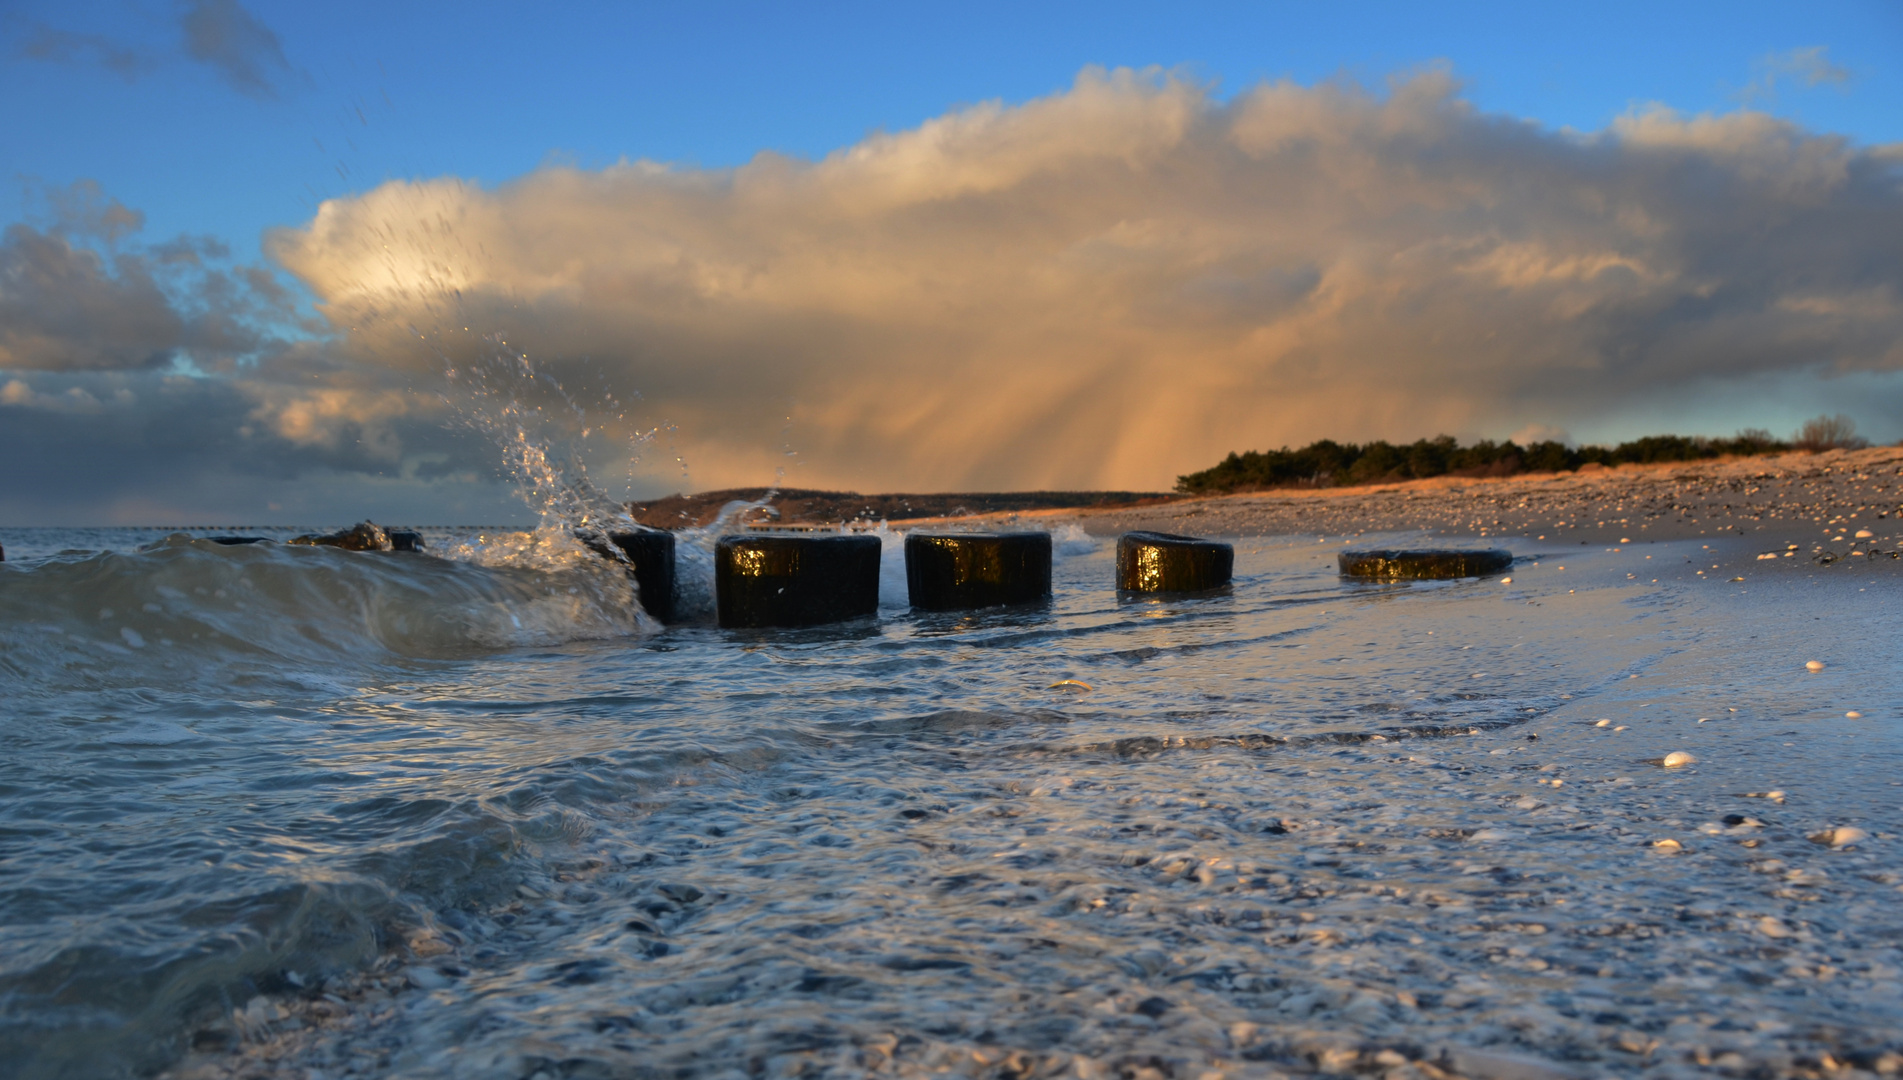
column 1120, row 283
column 75, row 399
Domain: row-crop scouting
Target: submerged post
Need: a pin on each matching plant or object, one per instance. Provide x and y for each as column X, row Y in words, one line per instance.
column 651, row 553
column 956, row 571
column 1150, row 562
column 1423, row 564
column 769, row 580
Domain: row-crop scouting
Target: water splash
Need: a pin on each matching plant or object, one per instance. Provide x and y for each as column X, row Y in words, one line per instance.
column 544, row 433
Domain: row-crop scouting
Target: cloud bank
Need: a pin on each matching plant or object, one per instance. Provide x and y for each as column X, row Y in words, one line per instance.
column 1108, row 287
column 1122, row 282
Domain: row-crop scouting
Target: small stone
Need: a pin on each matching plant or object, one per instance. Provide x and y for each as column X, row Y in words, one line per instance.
column 1506, row 581
column 425, row 978
column 1814, row 665
column 1154, row 1007
column 1853, row 715
column 1771, row 927
column 1864, row 534
column 1677, row 758
column 363, row 536
column 1668, row 845
column 1603, row 723
column 1838, row 837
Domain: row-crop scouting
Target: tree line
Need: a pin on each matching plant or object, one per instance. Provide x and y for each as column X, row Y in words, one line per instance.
column 1328, row 463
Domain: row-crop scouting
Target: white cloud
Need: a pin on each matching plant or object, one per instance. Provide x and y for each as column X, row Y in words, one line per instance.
column 1122, row 282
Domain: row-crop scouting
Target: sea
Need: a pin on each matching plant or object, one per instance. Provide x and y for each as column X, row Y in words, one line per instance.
column 280, row 810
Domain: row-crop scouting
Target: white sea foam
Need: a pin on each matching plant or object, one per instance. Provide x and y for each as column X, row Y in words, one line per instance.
column 916, row 845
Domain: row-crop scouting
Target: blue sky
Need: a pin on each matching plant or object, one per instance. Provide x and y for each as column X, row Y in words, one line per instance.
column 489, row 91
column 917, row 248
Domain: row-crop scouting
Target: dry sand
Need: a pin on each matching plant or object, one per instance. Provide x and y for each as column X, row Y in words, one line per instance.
column 1785, row 498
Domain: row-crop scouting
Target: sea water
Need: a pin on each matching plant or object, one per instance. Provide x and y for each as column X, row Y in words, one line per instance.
column 281, row 810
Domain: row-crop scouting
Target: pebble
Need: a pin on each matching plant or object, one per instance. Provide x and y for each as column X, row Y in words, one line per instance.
column 1678, row 757
column 1853, row 715
column 1841, row 836
column 1814, row 665
column 1668, row 844
column 1603, row 723
column 1864, row 534
column 1506, row 581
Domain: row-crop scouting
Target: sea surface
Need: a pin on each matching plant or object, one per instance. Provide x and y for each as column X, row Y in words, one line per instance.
column 290, row 811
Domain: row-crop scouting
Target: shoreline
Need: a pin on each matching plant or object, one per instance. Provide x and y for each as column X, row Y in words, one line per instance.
column 1797, row 496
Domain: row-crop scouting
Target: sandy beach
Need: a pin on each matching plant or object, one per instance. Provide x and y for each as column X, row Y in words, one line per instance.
column 1784, row 498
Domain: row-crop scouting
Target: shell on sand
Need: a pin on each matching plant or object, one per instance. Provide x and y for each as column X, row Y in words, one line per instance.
column 1839, row 836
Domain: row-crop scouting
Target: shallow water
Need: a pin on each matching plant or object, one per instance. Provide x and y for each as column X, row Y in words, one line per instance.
column 271, row 809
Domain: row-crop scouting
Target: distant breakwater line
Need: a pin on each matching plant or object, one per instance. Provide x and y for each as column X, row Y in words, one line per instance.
column 791, row 505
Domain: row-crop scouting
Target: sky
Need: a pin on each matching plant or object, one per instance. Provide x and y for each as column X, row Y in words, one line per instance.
column 273, row 262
